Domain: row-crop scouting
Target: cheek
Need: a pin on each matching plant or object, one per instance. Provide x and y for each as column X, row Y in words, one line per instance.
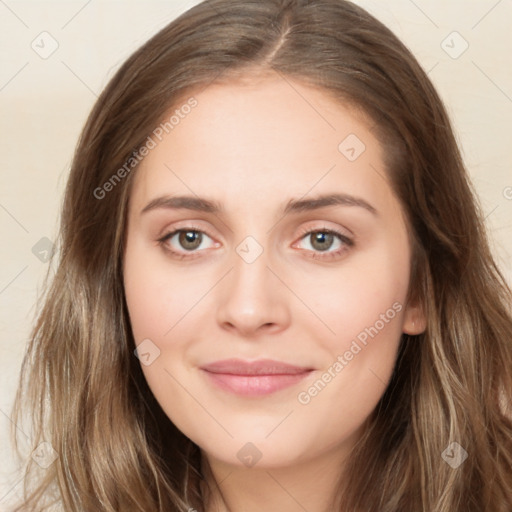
column 157, row 296
column 366, row 317
column 158, row 302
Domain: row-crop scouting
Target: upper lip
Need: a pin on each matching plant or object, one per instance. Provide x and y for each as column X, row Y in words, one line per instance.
column 258, row 367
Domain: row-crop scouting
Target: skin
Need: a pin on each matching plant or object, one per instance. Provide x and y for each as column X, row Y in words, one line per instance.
column 253, row 146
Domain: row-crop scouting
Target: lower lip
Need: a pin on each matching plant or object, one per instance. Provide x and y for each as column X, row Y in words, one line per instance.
column 255, row 385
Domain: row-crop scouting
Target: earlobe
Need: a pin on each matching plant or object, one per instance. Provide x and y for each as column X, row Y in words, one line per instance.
column 415, row 321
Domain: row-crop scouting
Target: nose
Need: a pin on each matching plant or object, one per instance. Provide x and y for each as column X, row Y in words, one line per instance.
column 252, row 300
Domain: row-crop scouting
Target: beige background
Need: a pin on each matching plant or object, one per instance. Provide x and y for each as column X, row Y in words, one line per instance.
column 44, row 103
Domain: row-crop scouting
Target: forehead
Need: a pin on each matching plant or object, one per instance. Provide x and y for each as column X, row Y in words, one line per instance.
column 261, row 139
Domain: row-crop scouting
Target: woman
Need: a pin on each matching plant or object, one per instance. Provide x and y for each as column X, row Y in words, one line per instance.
column 275, row 288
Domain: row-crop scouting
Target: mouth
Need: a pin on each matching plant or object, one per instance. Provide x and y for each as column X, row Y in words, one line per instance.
column 254, row 378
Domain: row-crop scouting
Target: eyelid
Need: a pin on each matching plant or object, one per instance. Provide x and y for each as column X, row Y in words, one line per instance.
column 184, row 225
column 346, row 235
column 346, row 242
column 169, row 233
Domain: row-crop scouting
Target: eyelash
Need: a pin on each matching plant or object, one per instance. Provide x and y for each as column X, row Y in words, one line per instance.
column 345, row 240
column 179, row 255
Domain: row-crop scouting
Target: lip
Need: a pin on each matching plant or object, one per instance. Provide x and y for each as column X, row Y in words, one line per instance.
column 254, row 378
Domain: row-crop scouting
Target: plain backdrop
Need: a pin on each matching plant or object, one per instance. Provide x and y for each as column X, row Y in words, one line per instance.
column 56, row 57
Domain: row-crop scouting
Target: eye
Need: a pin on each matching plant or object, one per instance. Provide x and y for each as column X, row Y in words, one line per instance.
column 185, row 240
column 326, row 243
column 189, row 241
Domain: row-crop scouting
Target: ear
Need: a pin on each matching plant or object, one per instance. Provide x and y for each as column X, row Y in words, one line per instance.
column 415, row 320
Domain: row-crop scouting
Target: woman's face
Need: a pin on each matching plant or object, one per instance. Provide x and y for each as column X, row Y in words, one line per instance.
column 269, row 323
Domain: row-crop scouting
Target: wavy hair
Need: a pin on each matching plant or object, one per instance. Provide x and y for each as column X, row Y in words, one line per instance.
column 83, row 386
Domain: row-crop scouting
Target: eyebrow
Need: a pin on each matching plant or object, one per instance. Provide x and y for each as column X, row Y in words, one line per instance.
column 292, row 206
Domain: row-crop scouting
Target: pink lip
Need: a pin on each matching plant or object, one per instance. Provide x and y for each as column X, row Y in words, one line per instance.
column 255, row 378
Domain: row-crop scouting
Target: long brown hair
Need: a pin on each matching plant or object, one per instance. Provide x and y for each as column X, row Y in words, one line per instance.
column 117, row 450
